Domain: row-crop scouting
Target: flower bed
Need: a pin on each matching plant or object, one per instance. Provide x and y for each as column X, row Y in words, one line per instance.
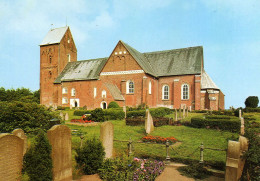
column 81, row 121
column 159, row 139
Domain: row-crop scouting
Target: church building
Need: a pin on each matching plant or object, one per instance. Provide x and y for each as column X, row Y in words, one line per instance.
column 169, row 78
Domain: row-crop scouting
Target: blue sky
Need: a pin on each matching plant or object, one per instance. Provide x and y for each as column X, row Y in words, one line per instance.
column 229, row 32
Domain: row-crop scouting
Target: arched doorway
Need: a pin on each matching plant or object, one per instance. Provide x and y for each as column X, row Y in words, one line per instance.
column 103, row 105
column 76, row 104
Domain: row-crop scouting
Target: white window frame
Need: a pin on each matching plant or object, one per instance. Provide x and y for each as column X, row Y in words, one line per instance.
column 164, row 96
column 64, row 90
column 104, row 94
column 64, row 100
column 130, row 90
column 73, row 92
column 150, row 87
column 185, row 92
column 95, row 92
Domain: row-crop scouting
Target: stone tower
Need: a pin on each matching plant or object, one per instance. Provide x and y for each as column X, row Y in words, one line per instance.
column 56, row 50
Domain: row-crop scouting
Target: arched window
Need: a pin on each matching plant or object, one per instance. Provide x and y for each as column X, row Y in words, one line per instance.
column 185, row 92
column 73, row 92
column 150, row 87
column 64, row 90
column 104, row 94
column 165, row 92
column 129, row 87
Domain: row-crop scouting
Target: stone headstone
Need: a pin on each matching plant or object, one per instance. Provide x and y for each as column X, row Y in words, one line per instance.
column 107, row 138
column 124, row 109
column 183, row 113
column 61, row 115
column 240, row 113
column 20, row 134
column 190, row 108
column 149, row 127
column 60, row 139
column 242, row 128
column 176, row 115
column 11, row 157
column 235, row 162
column 66, row 116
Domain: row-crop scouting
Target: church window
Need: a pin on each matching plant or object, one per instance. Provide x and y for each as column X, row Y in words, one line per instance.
column 185, row 92
column 73, row 92
column 165, row 92
column 68, row 57
column 64, row 90
column 64, row 100
column 129, row 87
column 104, row 94
column 150, row 87
column 95, row 92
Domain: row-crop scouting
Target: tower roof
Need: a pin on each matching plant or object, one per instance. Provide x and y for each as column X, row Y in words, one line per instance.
column 54, row 36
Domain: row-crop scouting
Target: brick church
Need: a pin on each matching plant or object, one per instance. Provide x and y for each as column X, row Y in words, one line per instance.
column 169, row 78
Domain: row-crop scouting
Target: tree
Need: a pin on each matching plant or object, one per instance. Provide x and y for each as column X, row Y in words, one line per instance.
column 37, row 160
column 113, row 104
column 252, row 102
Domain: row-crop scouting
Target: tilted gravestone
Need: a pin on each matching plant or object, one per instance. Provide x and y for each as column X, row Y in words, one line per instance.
column 235, row 162
column 11, row 157
column 60, row 139
column 124, row 109
column 107, row 138
column 61, row 115
column 20, row 133
column 149, row 127
column 66, row 116
column 176, row 115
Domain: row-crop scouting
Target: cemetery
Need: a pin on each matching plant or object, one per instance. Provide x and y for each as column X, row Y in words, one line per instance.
column 127, row 141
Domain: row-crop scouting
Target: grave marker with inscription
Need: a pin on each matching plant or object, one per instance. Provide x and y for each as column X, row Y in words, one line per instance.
column 107, row 138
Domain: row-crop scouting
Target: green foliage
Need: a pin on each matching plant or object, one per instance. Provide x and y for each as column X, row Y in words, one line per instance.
column 113, row 104
column 20, row 94
column 81, row 112
column 97, row 115
column 252, row 101
column 37, row 160
column 134, row 114
column 232, row 125
column 249, row 109
column 196, row 170
column 252, row 156
column 160, row 112
column 27, row 116
column 236, row 112
column 90, row 157
column 114, row 114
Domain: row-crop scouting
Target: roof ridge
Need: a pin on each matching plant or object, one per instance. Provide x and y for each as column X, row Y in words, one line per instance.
column 179, row 49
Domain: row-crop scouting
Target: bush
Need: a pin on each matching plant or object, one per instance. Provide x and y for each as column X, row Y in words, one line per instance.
column 81, row 112
column 236, row 112
column 232, row 125
column 113, row 104
column 196, row 170
column 37, row 160
column 114, row 114
column 90, row 157
column 27, row 116
column 97, row 115
column 134, row 114
column 160, row 112
column 162, row 121
column 252, row 101
column 249, row 109
column 135, row 121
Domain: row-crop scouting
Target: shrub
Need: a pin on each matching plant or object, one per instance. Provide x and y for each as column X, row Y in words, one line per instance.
column 249, row 109
column 97, row 115
column 27, row 116
column 81, row 112
column 196, row 170
column 160, row 112
column 114, row 114
column 232, row 125
column 113, row 104
column 134, row 114
column 37, row 160
column 90, row 157
column 236, row 112
column 135, row 121
column 161, row 121
column 252, row 101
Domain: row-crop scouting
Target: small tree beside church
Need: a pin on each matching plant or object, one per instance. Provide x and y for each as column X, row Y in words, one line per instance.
column 252, row 102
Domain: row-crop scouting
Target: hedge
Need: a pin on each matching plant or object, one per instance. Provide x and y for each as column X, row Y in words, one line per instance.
column 141, row 121
column 248, row 109
column 114, row 114
column 232, row 125
column 81, row 112
column 134, row 114
column 160, row 112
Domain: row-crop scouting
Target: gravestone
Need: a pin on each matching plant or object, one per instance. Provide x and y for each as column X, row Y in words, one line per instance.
column 176, row 115
column 20, row 134
column 190, row 108
column 11, row 157
column 60, row 139
column 149, row 127
column 66, row 116
column 240, row 113
column 61, row 115
column 235, row 162
column 242, row 128
column 124, row 109
column 183, row 113
column 107, row 138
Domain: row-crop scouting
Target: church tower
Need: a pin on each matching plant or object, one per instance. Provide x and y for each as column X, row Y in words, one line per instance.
column 56, row 50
